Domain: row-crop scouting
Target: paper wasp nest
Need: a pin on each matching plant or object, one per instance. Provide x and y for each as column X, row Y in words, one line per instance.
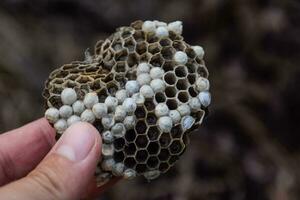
column 144, row 89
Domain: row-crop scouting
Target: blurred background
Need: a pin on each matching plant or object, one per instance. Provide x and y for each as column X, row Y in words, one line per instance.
column 247, row 148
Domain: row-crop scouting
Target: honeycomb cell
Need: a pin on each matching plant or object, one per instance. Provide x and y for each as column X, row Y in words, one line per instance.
column 141, row 48
column 163, row 167
column 130, row 149
column 149, row 104
column 132, row 59
column 171, row 91
column 181, row 71
column 120, row 66
column 182, row 84
column 165, row 42
column 154, row 48
column 117, row 45
column 192, row 92
column 60, row 80
column 157, row 60
column 130, row 44
column 202, row 71
column 151, row 38
column 153, row 133
column 139, row 36
column 112, row 88
column 141, row 168
column 191, row 78
column 165, row 140
column 176, row 147
column 151, row 119
column 140, row 112
column 153, row 148
column 172, row 104
column 130, row 162
column 179, row 45
column 127, row 33
column 152, row 162
column 72, row 84
column 183, row 97
column 119, row 143
column 170, row 78
column 130, row 135
column 176, row 132
column 168, row 53
column 140, row 127
column 121, row 55
column 160, row 97
column 141, row 141
column 168, row 66
column 190, row 53
column 130, row 75
column 55, row 101
column 141, row 156
column 119, row 156
column 145, row 57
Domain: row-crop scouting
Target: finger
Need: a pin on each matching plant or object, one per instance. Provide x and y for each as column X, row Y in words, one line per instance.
column 23, row 148
column 65, row 172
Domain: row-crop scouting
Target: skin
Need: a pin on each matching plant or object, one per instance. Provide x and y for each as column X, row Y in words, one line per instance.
column 34, row 166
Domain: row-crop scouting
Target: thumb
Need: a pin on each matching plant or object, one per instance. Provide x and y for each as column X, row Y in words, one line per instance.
column 65, row 172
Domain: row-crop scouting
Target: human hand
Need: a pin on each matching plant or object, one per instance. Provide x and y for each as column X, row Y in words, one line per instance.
column 33, row 167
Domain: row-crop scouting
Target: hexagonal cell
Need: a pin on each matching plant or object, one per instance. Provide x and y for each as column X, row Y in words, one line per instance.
column 173, row 159
column 141, row 168
column 168, row 66
column 190, row 53
column 117, row 45
column 165, row 140
column 176, row 147
column 120, row 66
column 130, row 44
column 191, row 78
column 139, row 36
column 105, row 44
column 132, row 59
column 202, row 71
column 130, row 162
column 108, row 65
column 151, row 119
column 63, row 74
column 165, row 42
column 55, row 101
column 140, row 127
column 172, row 104
column 191, row 67
column 183, row 97
column 179, row 45
column 130, row 135
column 157, row 60
column 192, row 92
column 141, row 48
column 160, row 97
column 164, row 155
column 119, row 156
column 59, row 80
column 153, row 148
column 72, row 84
column 164, row 167
column 141, row 141
column 170, row 78
column 120, row 79
column 130, row 75
column 140, row 112
column 119, row 143
column 182, row 84
column 171, row 91
column 145, row 57
column 149, row 104
column 121, row 55
column 199, row 60
column 176, row 131
column 151, row 38
column 130, row 149
column 109, row 77
column 154, row 48
column 112, row 88
column 141, row 156
column 127, row 32
column 153, row 133
column 152, row 162
column 102, row 94
column 181, row 71
column 66, row 67
column 168, row 53
column 56, row 89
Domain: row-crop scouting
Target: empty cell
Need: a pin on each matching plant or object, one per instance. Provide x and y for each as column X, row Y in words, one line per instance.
column 130, row 162
column 140, row 127
column 154, row 48
column 183, row 97
column 109, row 77
column 165, row 140
column 119, row 156
column 140, row 112
column 121, row 55
column 141, row 48
column 60, row 80
column 168, row 66
column 157, row 60
column 56, row 89
column 132, row 59
column 121, row 80
column 173, row 159
column 182, row 84
column 170, row 91
column 176, row 132
column 170, row 78
column 172, row 104
column 151, row 38
column 168, row 53
column 152, row 162
column 130, row 135
column 151, row 119
column 127, row 33
column 149, row 104
column 181, row 71
column 145, row 57
column 120, row 66
column 202, row 71
column 116, row 45
column 178, row 45
column 130, row 149
column 139, row 36
column 102, row 94
column 130, row 44
column 176, row 147
column 165, row 42
column 112, row 88
column 81, row 79
column 164, row 155
column 141, row 168
column 141, row 141
column 191, row 67
column 163, row 167
column 153, row 148
column 192, row 92
column 141, row 156
column 119, row 143
column 160, row 97
column 55, row 101
column 153, row 133
column 63, row 74
column 191, row 78
column 190, row 53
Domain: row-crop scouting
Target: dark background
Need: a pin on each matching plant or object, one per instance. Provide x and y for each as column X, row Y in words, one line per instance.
column 248, row 147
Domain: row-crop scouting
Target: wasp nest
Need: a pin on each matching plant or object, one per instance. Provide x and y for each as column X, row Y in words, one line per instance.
column 144, row 89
